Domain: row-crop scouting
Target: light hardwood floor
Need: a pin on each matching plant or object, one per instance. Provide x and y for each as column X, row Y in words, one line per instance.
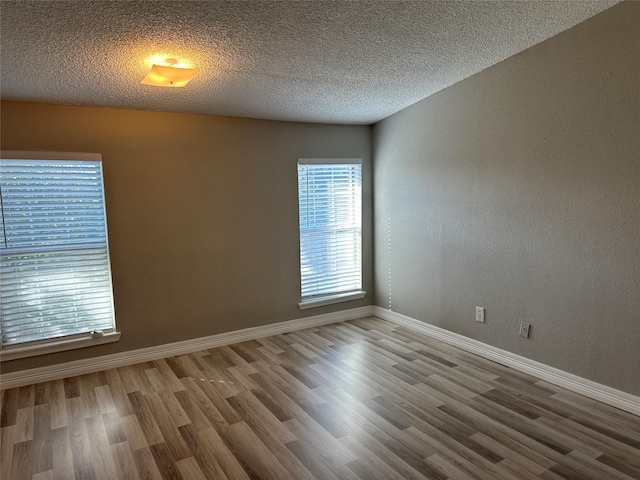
column 356, row 400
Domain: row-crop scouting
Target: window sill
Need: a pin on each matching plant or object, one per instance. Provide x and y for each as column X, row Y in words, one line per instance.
column 13, row 353
column 329, row 299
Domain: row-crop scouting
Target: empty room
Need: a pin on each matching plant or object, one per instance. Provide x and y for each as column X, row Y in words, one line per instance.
column 320, row 240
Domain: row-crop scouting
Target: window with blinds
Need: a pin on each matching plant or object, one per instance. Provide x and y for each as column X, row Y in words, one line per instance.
column 330, row 206
column 55, row 278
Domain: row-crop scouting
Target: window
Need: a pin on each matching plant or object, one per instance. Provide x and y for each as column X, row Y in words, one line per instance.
column 330, row 206
column 55, row 281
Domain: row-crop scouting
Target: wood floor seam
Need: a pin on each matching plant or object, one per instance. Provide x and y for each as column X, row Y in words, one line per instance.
column 357, row 400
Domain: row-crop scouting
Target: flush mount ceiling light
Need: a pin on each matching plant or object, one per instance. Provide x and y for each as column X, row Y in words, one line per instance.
column 169, row 73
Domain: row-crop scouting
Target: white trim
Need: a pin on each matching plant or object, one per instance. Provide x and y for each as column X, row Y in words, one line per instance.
column 32, row 349
column 602, row 393
column 329, row 161
column 12, row 353
column 616, row 398
column 36, row 155
column 330, row 299
column 81, row 367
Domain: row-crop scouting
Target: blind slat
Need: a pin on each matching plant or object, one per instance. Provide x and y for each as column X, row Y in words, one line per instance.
column 56, row 279
column 330, row 206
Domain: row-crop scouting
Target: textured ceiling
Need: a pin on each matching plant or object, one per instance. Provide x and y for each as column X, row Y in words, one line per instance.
column 313, row 61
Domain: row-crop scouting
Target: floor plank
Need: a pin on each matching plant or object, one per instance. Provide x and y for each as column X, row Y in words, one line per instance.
column 363, row 399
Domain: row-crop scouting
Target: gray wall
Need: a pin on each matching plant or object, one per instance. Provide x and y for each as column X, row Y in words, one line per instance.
column 202, row 215
column 518, row 190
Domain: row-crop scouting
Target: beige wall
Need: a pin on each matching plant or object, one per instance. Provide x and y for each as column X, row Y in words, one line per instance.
column 518, row 190
column 202, row 215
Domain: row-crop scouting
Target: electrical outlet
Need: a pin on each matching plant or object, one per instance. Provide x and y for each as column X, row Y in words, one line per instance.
column 525, row 328
column 479, row 314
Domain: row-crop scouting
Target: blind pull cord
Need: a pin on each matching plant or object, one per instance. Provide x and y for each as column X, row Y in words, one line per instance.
column 4, row 222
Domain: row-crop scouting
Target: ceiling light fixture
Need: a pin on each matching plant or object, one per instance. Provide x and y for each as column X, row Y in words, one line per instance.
column 170, row 73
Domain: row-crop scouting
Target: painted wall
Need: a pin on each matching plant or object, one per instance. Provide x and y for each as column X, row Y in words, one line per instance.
column 202, row 215
column 518, row 190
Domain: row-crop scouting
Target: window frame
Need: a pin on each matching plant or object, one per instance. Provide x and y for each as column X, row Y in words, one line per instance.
column 74, row 341
column 313, row 301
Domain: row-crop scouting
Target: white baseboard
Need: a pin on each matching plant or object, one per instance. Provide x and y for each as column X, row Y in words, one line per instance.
column 90, row 365
column 588, row 388
column 602, row 393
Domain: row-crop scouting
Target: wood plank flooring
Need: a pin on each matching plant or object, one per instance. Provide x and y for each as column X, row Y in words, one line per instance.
column 356, row 400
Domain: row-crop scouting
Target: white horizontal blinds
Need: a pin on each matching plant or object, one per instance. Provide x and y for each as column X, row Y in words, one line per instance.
column 55, row 277
column 330, row 226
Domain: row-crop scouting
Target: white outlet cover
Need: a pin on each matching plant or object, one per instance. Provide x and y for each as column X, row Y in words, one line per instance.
column 479, row 314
